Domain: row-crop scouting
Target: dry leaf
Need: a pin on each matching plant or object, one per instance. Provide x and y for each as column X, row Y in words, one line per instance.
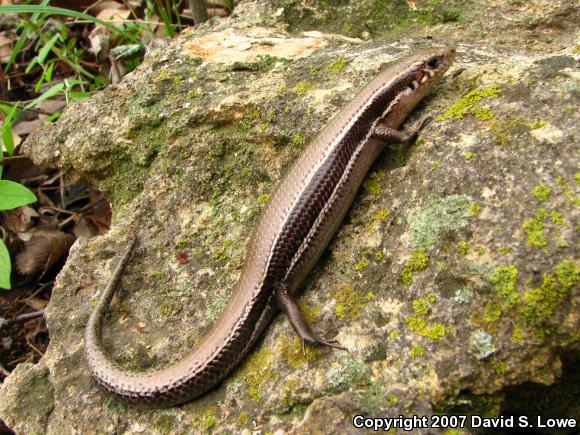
column 43, row 251
column 5, row 47
column 19, row 221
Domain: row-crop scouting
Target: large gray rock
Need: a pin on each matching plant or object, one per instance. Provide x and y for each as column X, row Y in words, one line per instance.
column 453, row 280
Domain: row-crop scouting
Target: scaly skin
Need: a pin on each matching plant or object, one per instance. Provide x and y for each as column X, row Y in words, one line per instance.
column 294, row 229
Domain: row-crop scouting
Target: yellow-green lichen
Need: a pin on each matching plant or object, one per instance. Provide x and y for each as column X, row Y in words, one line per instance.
column 468, row 155
column 378, row 256
column 263, row 199
column 243, row 417
column 492, row 312
column 255, row 372
column 568, row 274
column 361, row 264
column 557, row 218
column 291, row 351
column 542, row 192
column 302, row 88
column 376, row 218
column 435, row 331
column 474, row 209
column 483, row 114
column 517, row 334
column 298, row 140
column 336, row 66
column 540, row 303
column 350, row 302
column 463, row 247
column 504, row 282
column 534, row 228
column 500, row 367
column 421, row 307
column 417, row 351
column 372, row 186
column 469, row 103
column 416, row 324
column 539, row 123
column 419, row 261
column 393, row 335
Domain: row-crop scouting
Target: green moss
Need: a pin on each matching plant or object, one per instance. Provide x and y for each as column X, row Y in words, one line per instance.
column 469, row 103
column 169, row 307
column 557, row 218
column 540, row 303
column 434, row 331
column 463, row 247
column 539, row 123
column 263, row 199
column 534, row 228
column 492, row 312
column 517, row 334
column 372, row 186
column 505, row 250
column 542, row 192
column 417, row 351
column 298, row 140
column 416, row 324
column 290, row 349
column 568, row 274
column 302, row 88
column 468, row 155
column 421, row 307
column 500, row 367
column 350, row 302
column 418, row 262
column 243, row 418
column 361, row 264
column 336, row 66
column 255, row 372
column 483, row 114
column 504, row 282
column 474, row 209
column 441, row 215
column 264, row 63
column 376, row 219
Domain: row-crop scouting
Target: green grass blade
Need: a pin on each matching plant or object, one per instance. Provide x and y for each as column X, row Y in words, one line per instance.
column 46, row 49
column 54, row 90
column 52, row 10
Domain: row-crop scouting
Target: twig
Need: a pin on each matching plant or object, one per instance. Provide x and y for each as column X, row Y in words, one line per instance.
column 7, row 159
column 22, row 318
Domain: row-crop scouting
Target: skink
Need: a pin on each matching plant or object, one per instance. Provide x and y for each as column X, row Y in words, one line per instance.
column 293, row 231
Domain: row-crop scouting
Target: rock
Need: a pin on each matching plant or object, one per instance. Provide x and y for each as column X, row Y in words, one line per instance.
column 452, row 281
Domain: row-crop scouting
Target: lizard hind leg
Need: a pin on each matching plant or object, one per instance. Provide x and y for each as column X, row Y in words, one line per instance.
column 297, row 320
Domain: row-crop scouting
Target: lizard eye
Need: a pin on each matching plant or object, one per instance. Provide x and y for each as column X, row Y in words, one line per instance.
column 433, row 63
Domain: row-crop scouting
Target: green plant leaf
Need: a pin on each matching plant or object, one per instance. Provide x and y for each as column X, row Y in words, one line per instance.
column 52, row 10
column 6, row 131
column 5, row 266
column 46, row 49
column 51, row 92
column 14, row 195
